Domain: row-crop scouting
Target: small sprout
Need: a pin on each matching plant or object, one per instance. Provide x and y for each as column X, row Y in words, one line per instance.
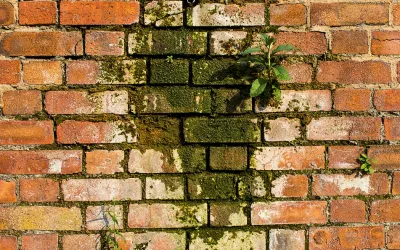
column 113, row 233
column 366, row 164
column 169, row 59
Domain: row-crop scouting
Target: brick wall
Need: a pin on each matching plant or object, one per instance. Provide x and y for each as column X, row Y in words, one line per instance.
column 94, row 111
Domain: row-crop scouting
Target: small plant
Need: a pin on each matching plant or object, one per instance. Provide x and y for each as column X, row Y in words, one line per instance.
column 169, row 59
column 366, row 163
column 268, row 67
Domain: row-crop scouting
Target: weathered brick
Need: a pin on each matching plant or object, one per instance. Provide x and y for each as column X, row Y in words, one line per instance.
column 285, row 239
column 299, row 101
column 37, row 13
column 72, row 132
column 81, row 242
column 393, row 237
column 349, row 42
column 40, row 218
column 307, row 42
column 219, row 72
column 78, row 102
column 156, row 131
column 223, row 239
column 104, row 43
column 288, row 158
column 98, row 217
column 101, row 189
column 344, row 128
column 165, row 188
column 41, row 162
column 290, row 186
column 341, row 14
column 173, row 160
column 352, row 72
column 22, row 102
column 348, row 211
column 225, row 130
column 396, row 14
column 348, row 185
column 396, row 183
column 39, row 190
column 213, row 186
column 7, row 192
column 228, row 158
column 99, row 13
column 338, row 238
column 386, row 157
column 282, row 129
column 229, row 101
column 9, row 71
column 385, row 43
column 344, row 157
column 172, row 100
column 352, row 99
column 289, row 212
column 385, row 211
column 178, row 71
column 215, row 14
column 227, row 42
column 387, row 100
column 7, row 14
column 82, row 72
column 8, row 242
column 42, row 72
column 44, row 43
column 153, row 240
column 167, row 215
column 299, row 72
column 164, row 13
column 40, row 242
column 228, row 214
column 257, row 187
column 104, row 162
column 288, row 14
column 392, row 128
column 161, row 42
column 26, row 132
column 122, row 72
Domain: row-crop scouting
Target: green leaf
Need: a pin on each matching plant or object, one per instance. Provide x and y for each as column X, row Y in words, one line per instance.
column 364, row 156
column 285, row 47
column 277, row 93
column 281, row 73
column 257, row 87
column 364, row 166
column 371, row 171
column 251, row 50
column 267, row 39
column 253, row 59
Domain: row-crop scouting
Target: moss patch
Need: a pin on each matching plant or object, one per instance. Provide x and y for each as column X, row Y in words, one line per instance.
column 175, row 72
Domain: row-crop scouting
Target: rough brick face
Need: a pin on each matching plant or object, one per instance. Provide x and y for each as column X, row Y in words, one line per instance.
column 82, row 72
column 39, row 190
column 386, row 100
column 24, row 102
column 348, row 211
column 8, row 242
column 40, row 241
column 104, row 162
column 104, row 43
column 344, row 157
column 26, row 132
column 352, row 99
column 9, row 71
column 385, row 43
column 385, row 211
column 288, row 14
column 349, row 42
column 290, row 186
column 37, row 13
column 386, row 157
column 42, row 72
column 8, row 192
column 7, row 14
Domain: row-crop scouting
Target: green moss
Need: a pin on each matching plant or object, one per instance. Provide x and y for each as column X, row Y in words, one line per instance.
column 175, row 72
column 210, row 237
column 114, row 71
column 158, row 131
column 211, row 187
column 232, row 101
column 187, row 215
column 193, row 159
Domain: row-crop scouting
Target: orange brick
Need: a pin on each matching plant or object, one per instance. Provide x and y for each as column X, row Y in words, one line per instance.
column 39, row 190
column 299, row 73
column 26, row 132
column 385, row 211
column 393, row 237
column 392, row 128
column 9, row 71
column 348, row 211
column 23, row 102
column 42, row 72
column 387, row 100
column 385, row 43
column 8, row 242
column 288, row 14
column 290, row 186
column 352, row 99
column 307, row 42
column 82, row 72
column 396, row 14
column 344, row 157
column 104, row 162
column 37, row 12
column 40, row 242
column 81, row 242
column 7, row 192
column 109, row 43
column 349, row 42
column 7, row 14
column 386, row 157
column 396, row 183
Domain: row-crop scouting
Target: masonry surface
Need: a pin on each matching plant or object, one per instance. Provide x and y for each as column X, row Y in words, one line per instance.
column 139, row 107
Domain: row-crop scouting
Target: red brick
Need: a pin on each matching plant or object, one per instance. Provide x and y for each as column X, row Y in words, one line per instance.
column 8, row 242
column 101, row 189
column 77, row 102
column 98, row 217
column 396, row 14
column 347, row 238
column 387, row 100
column 40, row 242
column 109, row 43
column 158, row 215
column 43, row 43
column 104, row 162
column 6, row 14
column 99, row 13
column 385, row 43
column 282, row 239
column 288, row 158
column 392, row 128
column 282, row 129
column 344, row 157
column 344, row 128
column 386, row 157
column 42, row 72
column 289, row 212
column 290, row 186
column 385, row 211
column 81, row 242
column 72, row 132
column 393, row 237
column 23, row 102
column 288, row 14
column 37, row 13
column 9, row 71
column 38, row 190
column 348, row 211
column 307, row 42
column 82, row 72
column 299, row 73
column 344, row 14
column 152, row 240
column 26, row 132
column 7, row 192
column 352, row 99
column 350, row 185
column 349, row 42
column 352, row 72
column 396, row 183
column 41, row 162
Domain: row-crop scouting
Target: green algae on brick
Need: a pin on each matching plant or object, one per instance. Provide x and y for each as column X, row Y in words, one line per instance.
column 228, row 214
column 158, row 130
column 221, row 130
column 213, row 186
column 228, row 158
column 163, row 42
column 114, row 71
column 232, row 101
column 175, row 72
column 172, row 100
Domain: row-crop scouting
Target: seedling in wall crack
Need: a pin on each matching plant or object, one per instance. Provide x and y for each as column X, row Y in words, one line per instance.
column 366, row 164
